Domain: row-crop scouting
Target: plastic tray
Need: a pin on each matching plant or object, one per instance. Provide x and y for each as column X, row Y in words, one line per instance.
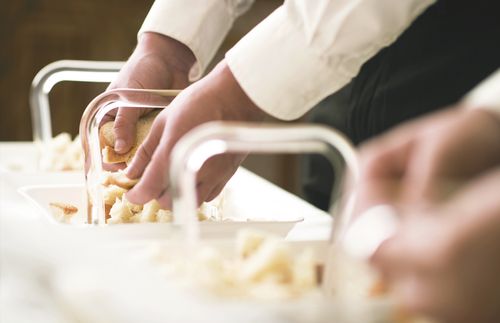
column 247, row 196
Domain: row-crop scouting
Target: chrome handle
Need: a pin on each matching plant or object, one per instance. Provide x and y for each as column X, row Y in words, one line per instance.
column 216, row 138
column 59, row 71
column 89, row 134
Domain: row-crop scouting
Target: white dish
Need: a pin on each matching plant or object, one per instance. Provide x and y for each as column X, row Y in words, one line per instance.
column 18, row 167
column 42, row 195
column 250, row 201
column 247, row 196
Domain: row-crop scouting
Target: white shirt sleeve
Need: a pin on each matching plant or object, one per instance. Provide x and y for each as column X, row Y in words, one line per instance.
column 308, row 49
column 486, row 95
column 201, row 25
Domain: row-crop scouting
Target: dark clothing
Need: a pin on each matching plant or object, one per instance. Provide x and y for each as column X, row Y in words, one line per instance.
column 448, row 50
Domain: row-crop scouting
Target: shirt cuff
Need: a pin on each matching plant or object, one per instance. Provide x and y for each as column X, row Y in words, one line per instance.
column 201, row 27
column 486, row 95
column 273, row 64
column 306, row 51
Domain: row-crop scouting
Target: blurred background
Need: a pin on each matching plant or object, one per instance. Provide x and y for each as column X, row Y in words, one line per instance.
column 34, row 33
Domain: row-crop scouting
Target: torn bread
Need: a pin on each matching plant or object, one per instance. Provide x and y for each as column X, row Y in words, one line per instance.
column 119, row 179
column 107, row 139
column 63, row 212
column 119, row 210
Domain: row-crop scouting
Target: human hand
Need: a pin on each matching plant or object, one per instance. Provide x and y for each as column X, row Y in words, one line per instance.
column 215, row 97
column 425, row 161
column 445, row 263
column 158, row 62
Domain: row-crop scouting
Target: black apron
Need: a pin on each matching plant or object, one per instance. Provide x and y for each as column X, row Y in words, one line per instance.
column 448, row 50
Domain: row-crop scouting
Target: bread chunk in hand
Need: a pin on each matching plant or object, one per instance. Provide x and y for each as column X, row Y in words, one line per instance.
column 107, row 139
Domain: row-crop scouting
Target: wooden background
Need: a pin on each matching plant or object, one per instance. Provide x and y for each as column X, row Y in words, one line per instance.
column 34, row 33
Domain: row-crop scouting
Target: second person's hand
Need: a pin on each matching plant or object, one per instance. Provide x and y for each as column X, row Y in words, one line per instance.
column 445, row 263
column 216, row 97
column 425, row 161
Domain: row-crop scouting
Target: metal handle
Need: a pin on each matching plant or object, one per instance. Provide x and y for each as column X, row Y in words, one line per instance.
column 215, row 138
column 59, row 71
column 89, row 134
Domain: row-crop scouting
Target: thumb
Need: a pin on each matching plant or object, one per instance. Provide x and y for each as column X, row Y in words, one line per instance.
column 124, row 128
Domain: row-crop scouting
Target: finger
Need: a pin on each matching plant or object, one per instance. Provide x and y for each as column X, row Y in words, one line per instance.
column 470, row 217
column 202, row 189
column 113, row 167
column 215, row 173
column 124, row 128
column 165, row 199
column 145, row 152
column 154, row 180
column 412, row 293
column 215, row 192
column 210, row 180
column 383, row 166
column 408, row 248
column 387, row 258
column 442, row 167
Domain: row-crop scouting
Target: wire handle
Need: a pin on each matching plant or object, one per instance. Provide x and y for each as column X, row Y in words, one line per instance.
column 89, row 135
column 215, row 138
column 60, row 71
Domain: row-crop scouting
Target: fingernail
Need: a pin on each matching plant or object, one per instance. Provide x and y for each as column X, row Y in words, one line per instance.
column 119, row 145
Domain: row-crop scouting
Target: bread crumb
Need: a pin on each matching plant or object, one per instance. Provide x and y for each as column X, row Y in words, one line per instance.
column 63, row 212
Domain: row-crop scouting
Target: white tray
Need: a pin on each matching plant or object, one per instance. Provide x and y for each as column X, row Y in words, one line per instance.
column 18, row 167
column 247, row 196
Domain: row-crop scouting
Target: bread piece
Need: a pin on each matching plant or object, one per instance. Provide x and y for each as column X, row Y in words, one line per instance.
column 304, row 271
column 247, row 242
column 111, row 193
column 149, row 211
column 164, row 216
column 272, row 261
column 107, row 139
column 378, row 289
column 118, row 178
column 62, row 154
column 63, row 212
column 120, row 213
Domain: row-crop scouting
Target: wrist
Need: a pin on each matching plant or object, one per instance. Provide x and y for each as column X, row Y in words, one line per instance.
column 171, row 52
column 231, row 94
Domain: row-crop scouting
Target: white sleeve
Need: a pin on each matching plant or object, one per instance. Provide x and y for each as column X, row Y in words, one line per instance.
column 201, row 25
column 308, row 49
column 486, row 95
